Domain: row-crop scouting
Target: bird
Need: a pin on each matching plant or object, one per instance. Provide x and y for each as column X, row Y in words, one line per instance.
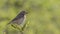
column 19, row 19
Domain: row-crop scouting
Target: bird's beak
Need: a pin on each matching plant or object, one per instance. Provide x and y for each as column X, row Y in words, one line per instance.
column 26, row 12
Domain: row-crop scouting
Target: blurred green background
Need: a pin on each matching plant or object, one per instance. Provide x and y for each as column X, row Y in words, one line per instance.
column 43, row 16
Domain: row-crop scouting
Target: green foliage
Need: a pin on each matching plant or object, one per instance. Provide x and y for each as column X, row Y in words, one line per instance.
column 43, row 16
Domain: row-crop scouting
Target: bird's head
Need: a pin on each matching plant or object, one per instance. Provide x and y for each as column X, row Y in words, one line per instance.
column 23, row 12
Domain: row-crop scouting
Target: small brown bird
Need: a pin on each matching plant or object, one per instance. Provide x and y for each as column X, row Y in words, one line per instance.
column 19, row 18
